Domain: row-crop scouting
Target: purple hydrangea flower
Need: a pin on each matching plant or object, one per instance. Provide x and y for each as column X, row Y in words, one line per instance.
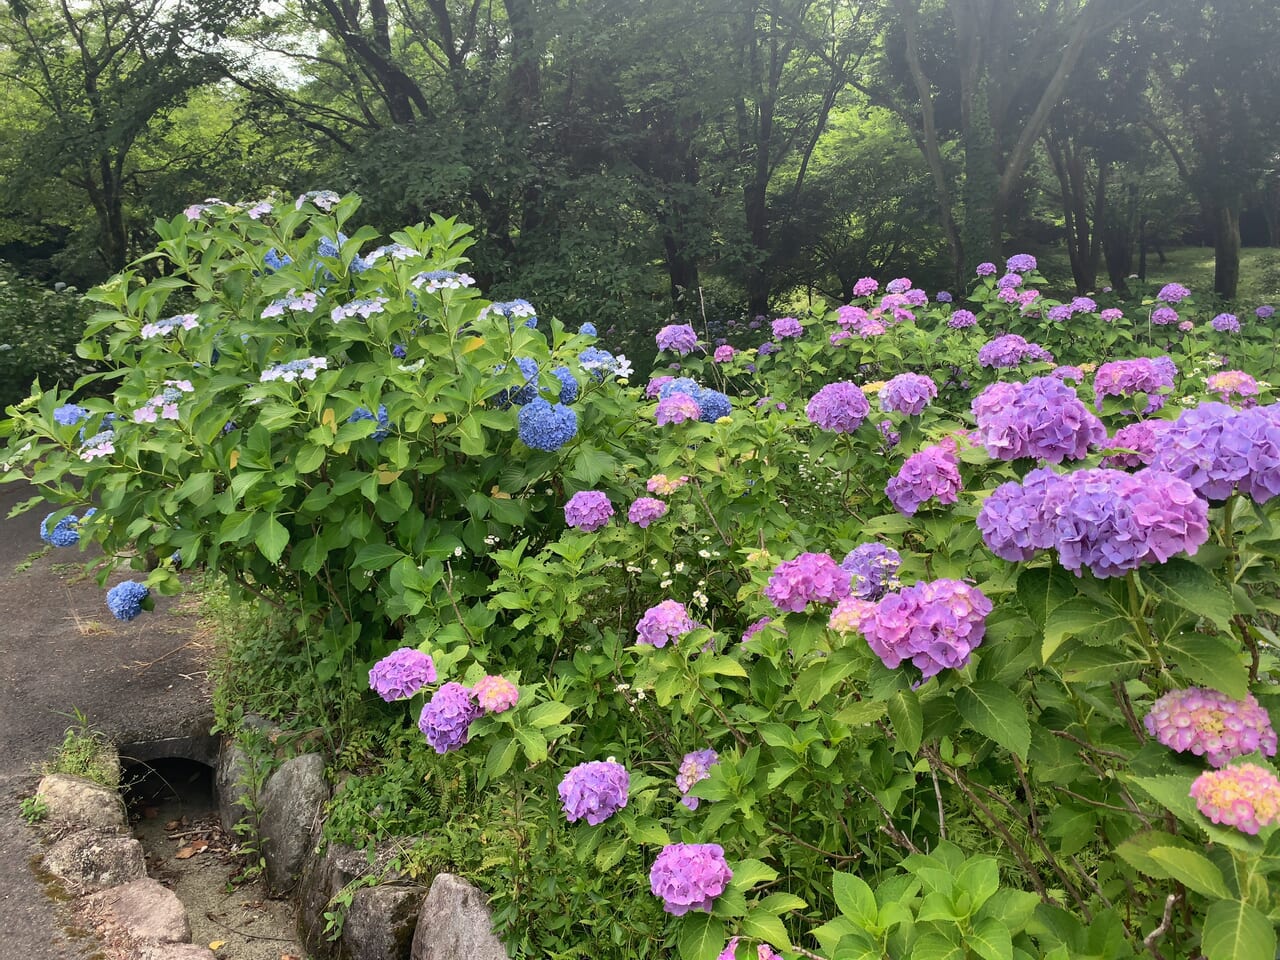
column 664, row 622
column 1060, row 313
column 933, row 472
column 446, row 719
column 677, row 408
column 1009, row 281
column 1111, row 315
column 654, row 387
column 125, row 600
column 934, row 624
column 1042, row 419
column 69, row 414
column 1021, row 263
column 645, row 510
column 1218, row 449
column 1173, row 293
column 588, row 510
column 944, row 296
column 755, row 627
column 679, row 338
column 1084, row 305
column 1245, row 796
column 543, row 426
column 907, row 393
column 865, row 287
column 495, row 694
column 1225, row 323
column 1164, row 316
column 961, row 319
column 694, row 767
column 689, row 876
column 809, row 577
column 1068, row 373
column 987, row 269
column 873, row 569
column 401, row 674
column 1018, row 518
column 724, row 353
column 1237, row 384
column 1211, row 725
column 594, row 791
column 786, row 328
column 1124, row 378
column 1141, row 437
column 840, row 407
column 1264, row 312
column 1011, row 350
column 900, row 285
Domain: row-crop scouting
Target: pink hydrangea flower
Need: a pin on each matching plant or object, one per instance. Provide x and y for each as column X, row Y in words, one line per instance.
column 645, row 510
column 724, row 353
column 1211, row 725
column 664, row 622
column 495, row 694
column 809, row 577
column 677, row 408
column 1245, row 796
column 689, row 876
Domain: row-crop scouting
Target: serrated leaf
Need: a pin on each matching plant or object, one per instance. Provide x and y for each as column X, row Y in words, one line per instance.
column 1192, row 588
column 1080, row 617
column 767, row 927
column 749, row 873
column 1042, row 590
column 1236, row 931
column 934, row 946
column 1192, row 869
column 701, row 936
column 990, row 939
column 996, row 713
column 855, row 899
column 1210, row 662
column 907, row 719
column 272, row 538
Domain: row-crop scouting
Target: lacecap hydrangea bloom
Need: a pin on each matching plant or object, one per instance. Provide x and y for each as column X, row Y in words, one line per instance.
column 664, row 622
column 873, row 570
column 162, row 328
column 689, row 876
column 293, row 370
column 908, row 393
column 694, row 767
column 645, row 510
column 588, row 510
column 840, row 407
column 446, row 719
column 544, row 426
column 1218, row 449
column 1011, row 350
column 1042, row 419
column 679, row 338
column 1152, row 376
column 125, row 600
column 101, row 444
column 931, row 473
column 810, row 577
column 663, row 485
column 495, row 694
column 1210, row 724
column 69, row 414
column 1245, row 796
column 594, row 791
column 401, row 674
column 934, row 624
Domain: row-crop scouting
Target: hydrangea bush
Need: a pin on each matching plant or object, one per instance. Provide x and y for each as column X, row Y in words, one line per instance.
column 1028, row 715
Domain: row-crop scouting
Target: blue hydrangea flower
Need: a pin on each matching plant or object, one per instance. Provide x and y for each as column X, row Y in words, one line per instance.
column 328, row 248
column 384, row 423
column 64, row 533
column 125, row 599
column 547, row 427
column 713, row 405
column 588, row 329
column 513, row 310
column 274, row 260
column 69, row 414
column 569, row 386
column 598, row 363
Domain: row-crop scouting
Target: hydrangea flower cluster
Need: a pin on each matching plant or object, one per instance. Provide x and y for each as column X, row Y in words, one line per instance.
column 601, row 363
column 125, row 600
column 1111, row 315
column 1233, row 384
column 723, row 353
column 961, row 320
column 1173, row 293
column 594, row 791
column 364, row 308
column 588, row 510
column 1211, row 725
column 865, row 287
column 908, row 393
column 433, row 281
column 1021, row 263
column 645, row 510
column 446, row 719
column 664, row 622
column 163, row 405
column 840, row 407
column 162, row 328
column 101, row 444
column 569, row 386
column 755, row 627
column 679, row 338
column 399, row 252
column 293, row 370
column 929, row 473
column 944, row 296
column 663, row 485
column 785, row 328
column 323, row 200
column 935, row 624
column 513, row 310
column 763, row 951
column 1264, row 312
column 544, row 426
column 1245, row 796
column 677, row 408
column 1152, row 376
column 495, row 694
column 694, row 767
column 810, row 577
column 306, row 303
column 1107, row 520
column 689, row 876
column 383, row 421
column 987, row 269
column 69, row 414
column 711, row 404
column 401, row 674
column 1226, row 323
column 64, row 533
column 873, row 568
column 1141, row 437
column 1218, row 449
column 1011, row 350
column 1042, row 419
column 1164, row 316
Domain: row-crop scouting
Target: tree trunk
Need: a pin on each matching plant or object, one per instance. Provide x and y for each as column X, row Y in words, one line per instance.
column 1224, row 222
column 980, row 234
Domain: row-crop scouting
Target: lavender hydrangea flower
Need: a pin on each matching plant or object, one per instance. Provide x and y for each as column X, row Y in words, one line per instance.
column 1009, row 281
column 1084, row 305
column 694, row 767
column 840, row 407
column 900, row 285
column 495, row 694
column 664, row 622
column 931, row 473
column 1173, row 293
column 907, row 393
column 1011, row 350
column 101, row 444
column 1225, row 323
column 723, row 353
column 677, row 408
column 1264, row 312
column 1210, row 724
column 1125, row 378
column 401, row 674
column 961, row 320
column 1018, row 519
column 1042, row 419
column 689, row 876
column 810, row 577
column 594, row 791
column 934, row 624
column 1140, row 437
column 1218, row 449
column 1164, row 316
column 1245, row 796
column 986, row 269
column 543, row 426
column 446, row 719
column 1060, row 313
column 125, row 600
column 69, row 414
column 873, row 569
column 865, row 287
column 645, row 510
column 588, row 510
column 1111, row 315
column 787, row 328
column 755, row 627
column 679, row 338
column 1021, row 263
column 944, row 296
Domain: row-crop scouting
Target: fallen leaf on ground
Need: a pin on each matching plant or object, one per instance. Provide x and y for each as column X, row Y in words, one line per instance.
column 191, row 849
column 217, row 944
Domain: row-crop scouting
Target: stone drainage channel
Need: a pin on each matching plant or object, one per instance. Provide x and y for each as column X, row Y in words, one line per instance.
column 155, row 873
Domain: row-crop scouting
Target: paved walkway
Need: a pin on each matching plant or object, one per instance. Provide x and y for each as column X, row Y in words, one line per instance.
column 60, row 649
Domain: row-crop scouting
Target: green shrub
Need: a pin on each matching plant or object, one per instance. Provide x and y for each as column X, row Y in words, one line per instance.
column 39, row 331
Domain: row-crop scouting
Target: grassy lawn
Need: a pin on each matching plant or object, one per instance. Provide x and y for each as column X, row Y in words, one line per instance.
column 1259, row 273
